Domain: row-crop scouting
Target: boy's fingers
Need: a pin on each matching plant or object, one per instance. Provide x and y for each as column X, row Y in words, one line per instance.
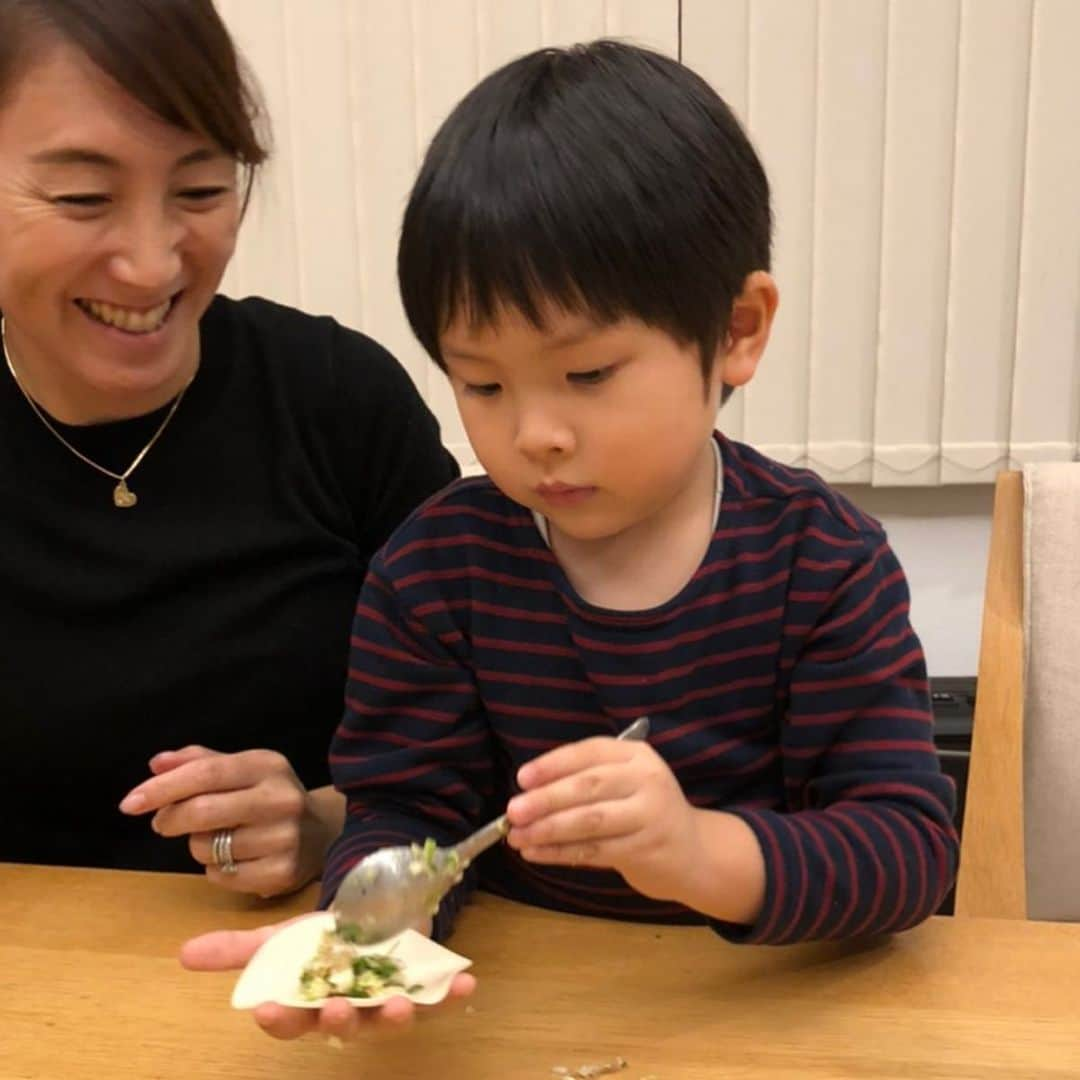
column 397, row 1012
column 596, row 784
column 284, row 1023
column 574, row 758
column 601, row 821
column 604, row 854
column 223, row 950
column 566, row 855
column 337, row 1018
column 226, row 950
column 463, row 985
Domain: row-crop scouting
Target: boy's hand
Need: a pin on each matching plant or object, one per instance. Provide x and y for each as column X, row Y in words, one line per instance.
column 225, row 950
column 605, row 803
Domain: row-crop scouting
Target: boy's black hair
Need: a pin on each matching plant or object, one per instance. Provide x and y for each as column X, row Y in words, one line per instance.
column 605, row 178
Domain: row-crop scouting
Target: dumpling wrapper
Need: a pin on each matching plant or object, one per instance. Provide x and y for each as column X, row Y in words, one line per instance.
column 273, row 973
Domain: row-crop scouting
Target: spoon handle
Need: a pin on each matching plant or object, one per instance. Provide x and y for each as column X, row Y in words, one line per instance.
column 481, row 840
column 494, row 831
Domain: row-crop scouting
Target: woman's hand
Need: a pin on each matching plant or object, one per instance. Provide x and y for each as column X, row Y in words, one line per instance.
column 280, row 832
column 225, row 950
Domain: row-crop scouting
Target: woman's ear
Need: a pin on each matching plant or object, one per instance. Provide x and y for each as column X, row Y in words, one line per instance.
column 748, row 329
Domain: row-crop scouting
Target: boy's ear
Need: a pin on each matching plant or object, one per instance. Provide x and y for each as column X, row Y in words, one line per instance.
column 748, row 330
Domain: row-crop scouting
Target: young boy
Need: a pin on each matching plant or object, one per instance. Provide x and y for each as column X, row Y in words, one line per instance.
column 586, row 255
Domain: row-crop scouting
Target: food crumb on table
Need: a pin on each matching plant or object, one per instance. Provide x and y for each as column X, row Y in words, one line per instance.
column 587, row 1072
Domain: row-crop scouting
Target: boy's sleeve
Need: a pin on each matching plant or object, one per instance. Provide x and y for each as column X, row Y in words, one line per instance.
column 868, row 843
column 412, row 754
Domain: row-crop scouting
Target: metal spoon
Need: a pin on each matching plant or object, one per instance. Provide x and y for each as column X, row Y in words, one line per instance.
column 398, row 887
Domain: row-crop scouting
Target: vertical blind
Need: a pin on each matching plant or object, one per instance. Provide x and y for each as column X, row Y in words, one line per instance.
column 925, row 163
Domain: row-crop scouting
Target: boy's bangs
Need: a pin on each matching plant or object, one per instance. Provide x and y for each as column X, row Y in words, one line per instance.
column 485, row 275
column 544, row 245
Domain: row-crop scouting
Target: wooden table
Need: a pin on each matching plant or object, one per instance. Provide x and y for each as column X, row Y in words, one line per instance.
column 92, row 989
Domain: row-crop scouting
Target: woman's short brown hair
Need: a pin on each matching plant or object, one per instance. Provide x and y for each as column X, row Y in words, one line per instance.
column 173, row 56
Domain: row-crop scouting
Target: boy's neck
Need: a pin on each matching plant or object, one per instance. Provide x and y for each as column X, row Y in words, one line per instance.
column 647, row 564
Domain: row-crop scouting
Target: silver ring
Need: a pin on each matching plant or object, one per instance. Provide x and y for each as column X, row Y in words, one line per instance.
column 221, row 851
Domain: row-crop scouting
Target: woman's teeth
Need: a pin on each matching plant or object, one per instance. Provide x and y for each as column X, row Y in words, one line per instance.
column 127, row 319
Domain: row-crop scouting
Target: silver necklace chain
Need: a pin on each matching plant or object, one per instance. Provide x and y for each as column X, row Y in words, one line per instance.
column 123, row 496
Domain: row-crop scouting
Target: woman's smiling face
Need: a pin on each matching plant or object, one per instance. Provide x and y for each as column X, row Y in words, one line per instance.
column 115, row 230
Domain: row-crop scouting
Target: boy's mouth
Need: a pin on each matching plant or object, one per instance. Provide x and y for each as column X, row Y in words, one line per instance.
column 137, row 321
column 564, row 495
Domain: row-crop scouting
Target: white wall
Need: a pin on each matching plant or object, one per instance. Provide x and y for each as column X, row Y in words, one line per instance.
column 942, row 537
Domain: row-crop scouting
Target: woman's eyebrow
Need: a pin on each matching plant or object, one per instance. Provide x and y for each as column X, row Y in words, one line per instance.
column 74, row 155
column 78, row 155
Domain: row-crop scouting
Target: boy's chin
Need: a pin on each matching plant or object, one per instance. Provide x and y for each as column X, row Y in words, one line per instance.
column 582, row 532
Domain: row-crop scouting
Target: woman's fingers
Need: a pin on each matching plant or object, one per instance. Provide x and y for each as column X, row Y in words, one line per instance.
column 270, row 876
column 170, row 759
column 249, row 842
column 205, row 813
column 255, row 795
column 272, row 799
column 198, row 771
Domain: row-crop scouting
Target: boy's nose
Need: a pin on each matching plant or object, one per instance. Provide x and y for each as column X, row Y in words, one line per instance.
column 540, row 436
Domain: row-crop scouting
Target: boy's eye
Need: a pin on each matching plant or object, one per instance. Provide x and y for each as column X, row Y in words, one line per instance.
column 482, row 389
column 203, row 194
column 81, row 201
column 591, row 378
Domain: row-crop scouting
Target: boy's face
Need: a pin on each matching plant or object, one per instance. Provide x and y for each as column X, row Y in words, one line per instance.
column 599, row 428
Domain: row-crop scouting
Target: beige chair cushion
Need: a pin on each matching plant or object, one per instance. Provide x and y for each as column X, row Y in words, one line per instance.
column 1052, row 690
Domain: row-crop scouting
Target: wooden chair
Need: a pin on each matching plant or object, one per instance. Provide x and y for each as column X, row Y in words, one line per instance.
column 991, row 877
column 1020, row 855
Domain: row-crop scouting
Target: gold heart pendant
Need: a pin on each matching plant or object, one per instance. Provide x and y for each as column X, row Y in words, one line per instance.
column 123, row 496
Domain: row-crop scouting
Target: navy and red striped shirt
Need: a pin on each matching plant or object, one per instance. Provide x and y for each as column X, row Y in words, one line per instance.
column 784, row 684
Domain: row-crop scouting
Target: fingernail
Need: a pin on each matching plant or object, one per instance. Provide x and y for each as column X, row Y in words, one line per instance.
column 154, row 824
column 133, row 803
column 524, row 775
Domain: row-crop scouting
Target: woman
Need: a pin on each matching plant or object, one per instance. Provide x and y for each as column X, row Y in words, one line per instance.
column 191, row 486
